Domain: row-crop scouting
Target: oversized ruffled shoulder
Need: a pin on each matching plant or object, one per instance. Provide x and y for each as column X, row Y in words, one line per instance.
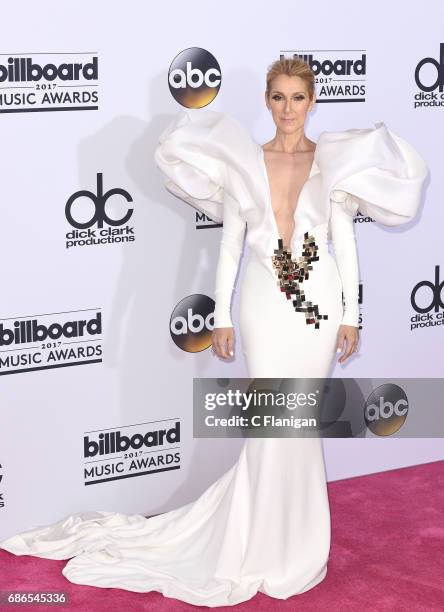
column 196, row 152
column 382, row 172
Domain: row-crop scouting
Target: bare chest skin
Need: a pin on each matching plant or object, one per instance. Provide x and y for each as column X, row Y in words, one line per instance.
column 287, row 174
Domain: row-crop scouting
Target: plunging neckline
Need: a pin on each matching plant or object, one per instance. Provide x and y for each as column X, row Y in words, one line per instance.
column 269, row 199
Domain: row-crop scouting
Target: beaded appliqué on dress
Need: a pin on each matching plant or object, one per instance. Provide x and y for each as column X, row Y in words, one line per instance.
column 291, row 273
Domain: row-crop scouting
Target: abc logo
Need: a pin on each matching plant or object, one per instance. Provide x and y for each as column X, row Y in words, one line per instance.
column 385, row 410
column 437, row 68
column 192, row 322
column 435, row 302
column 194, row 77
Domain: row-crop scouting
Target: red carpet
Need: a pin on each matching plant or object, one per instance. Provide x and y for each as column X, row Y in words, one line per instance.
column 387, row 555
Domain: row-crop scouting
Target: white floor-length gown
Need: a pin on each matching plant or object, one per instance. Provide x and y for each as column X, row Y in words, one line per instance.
column 264, row 525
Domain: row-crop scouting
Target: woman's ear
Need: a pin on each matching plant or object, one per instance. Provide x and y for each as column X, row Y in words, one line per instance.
column 312, row 103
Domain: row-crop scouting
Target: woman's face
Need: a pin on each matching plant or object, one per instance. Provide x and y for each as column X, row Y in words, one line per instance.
column 289, row 102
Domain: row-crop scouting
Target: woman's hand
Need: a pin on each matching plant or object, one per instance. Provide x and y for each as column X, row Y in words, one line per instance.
column 223, row 341
column 348, row 338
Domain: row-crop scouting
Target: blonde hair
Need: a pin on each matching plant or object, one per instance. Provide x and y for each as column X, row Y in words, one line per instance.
column 292, row 67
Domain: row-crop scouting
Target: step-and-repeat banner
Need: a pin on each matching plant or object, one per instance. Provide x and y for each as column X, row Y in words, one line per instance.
column 108, row 279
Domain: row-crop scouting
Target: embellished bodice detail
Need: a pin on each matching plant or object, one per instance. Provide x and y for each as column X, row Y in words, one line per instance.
column 291, row 274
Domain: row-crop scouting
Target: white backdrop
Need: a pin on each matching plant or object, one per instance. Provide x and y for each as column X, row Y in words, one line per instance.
column 131, row 373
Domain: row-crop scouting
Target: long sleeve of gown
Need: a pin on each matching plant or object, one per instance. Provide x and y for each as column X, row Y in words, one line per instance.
column 346, row 254
column 231, row 245
column 203, row 156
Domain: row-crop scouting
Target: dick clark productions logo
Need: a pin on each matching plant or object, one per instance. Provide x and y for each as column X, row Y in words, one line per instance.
column 429, row 79
column 427, row 300
column 80, row 216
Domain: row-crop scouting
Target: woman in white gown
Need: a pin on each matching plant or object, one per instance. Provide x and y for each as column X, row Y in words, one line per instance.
column 264, row 525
